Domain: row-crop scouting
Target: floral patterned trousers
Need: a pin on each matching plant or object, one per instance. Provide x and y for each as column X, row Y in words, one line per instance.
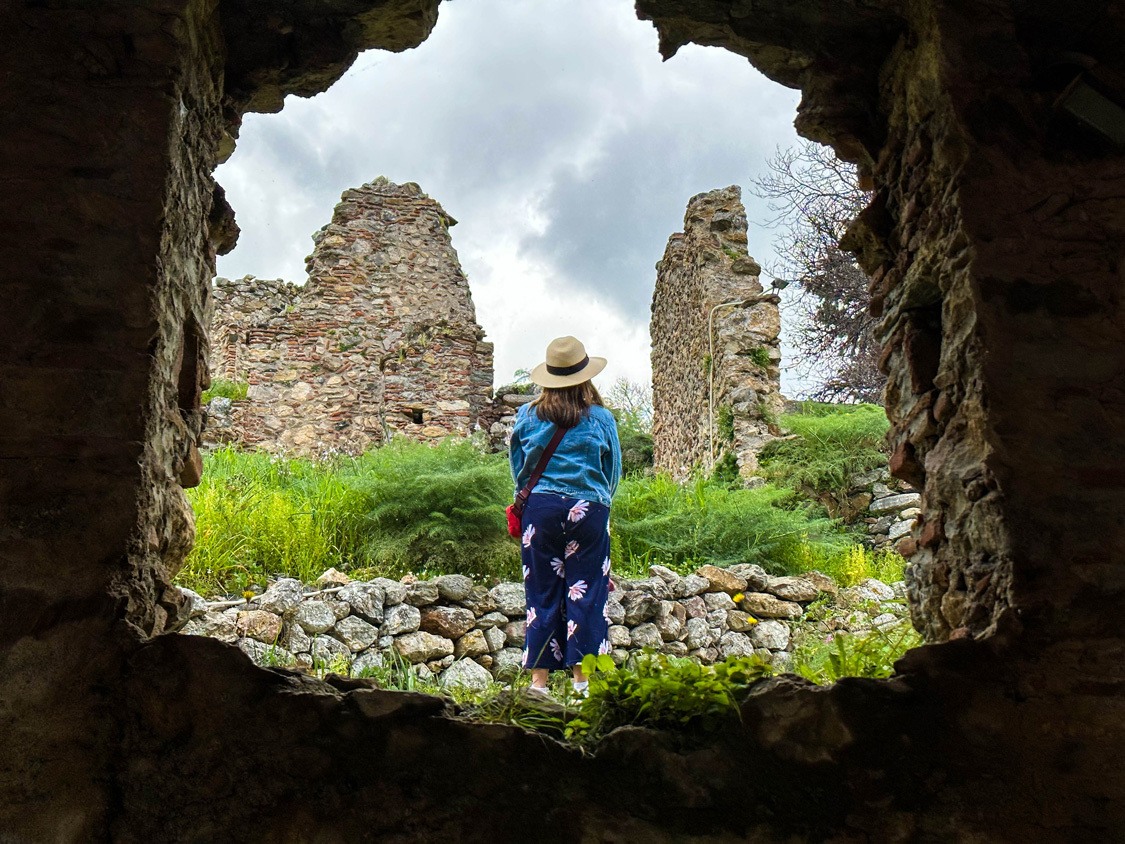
column 566, row 577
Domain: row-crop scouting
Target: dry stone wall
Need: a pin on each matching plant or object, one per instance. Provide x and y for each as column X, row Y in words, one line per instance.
column 697, row 421
column 461, row 633
column 382, row 339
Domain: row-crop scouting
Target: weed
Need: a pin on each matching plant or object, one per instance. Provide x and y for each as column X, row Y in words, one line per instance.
column 869, row 654
column 222, row 388
column 760, row 355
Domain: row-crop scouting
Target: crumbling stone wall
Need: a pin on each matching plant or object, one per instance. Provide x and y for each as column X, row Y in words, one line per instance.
column 381, row 339
column 706, row 405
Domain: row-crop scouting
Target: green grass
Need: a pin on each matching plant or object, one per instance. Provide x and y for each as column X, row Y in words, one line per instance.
column 871, row 654
column 831, row 443
column 220, row 387
column 850, row 565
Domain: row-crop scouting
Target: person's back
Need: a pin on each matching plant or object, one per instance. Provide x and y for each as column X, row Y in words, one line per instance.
column 565, row 523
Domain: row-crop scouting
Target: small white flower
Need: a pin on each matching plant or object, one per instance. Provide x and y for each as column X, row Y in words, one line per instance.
column 530, row 616
column 578, row 511
column 605, row 567
column 605, row 647
column 559, row 566
column 527, row 534
column 571, row 548
column 556, row 650
column 526, row 572
column 576, row 591
column 571, row 626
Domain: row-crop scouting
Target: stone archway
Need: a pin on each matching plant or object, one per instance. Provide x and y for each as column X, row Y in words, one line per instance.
column 996, row 244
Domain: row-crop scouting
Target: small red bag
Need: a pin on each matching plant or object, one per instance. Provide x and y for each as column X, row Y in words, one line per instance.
column 515, row 520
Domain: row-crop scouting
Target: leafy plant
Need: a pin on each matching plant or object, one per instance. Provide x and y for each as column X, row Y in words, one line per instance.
column 760, row 355
column 724, row 423
column 222, row 388
column 870, row 654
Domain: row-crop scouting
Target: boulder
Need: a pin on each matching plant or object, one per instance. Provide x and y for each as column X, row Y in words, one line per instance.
column 664, row 573
column 822, row 582
column 454, row 587
column 507, row 663
column 266, row 656
column 365, row 600
column 340, row 609
column 735, row 644
column 763, row 605
column 496, row 639
column 718, row 601
column 722, row 580
column 356, row 633
column 893, row 503
column 367, row 663
column 422, row 594
column 639, row 607
column 647, row 636
column 792, row 589
column 420, row 646
column 869, row 590
column 259, row 625
column 401, row 618
column 770, row 634
column 315, row 617
column 754, row 575
column 480, row 601
column 450, row 622
column 282, row 596
column 614, row 611
column 492, row 619
column 698, row 633
column 465, row 674
column 393, row 592
column 691, row 585
column 471, row 644
column 514, row 633
column 674, row 649
column 695, row 607
column 654, row 586
column 670, row 618
column 331, row 578
column 510, row 599
column 705, row 655
column 216, row 625
column 194, row 600
column 619, row 636
column 294, row 639
column 739, row 621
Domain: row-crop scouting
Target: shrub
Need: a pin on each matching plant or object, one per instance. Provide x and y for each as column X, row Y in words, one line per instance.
column 851, row 565
column 870, row 654
column 656, row 520
column 831, row 443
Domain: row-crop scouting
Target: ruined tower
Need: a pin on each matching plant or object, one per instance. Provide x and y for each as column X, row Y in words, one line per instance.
column 715, row 355
column 382, row 338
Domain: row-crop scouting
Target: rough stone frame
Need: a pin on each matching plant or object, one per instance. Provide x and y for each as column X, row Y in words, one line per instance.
column 996, row 243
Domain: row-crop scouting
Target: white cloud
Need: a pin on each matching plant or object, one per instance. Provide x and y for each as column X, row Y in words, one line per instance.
column 557, row 137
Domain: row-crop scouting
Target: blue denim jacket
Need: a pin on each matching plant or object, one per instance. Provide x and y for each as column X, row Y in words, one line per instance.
column 586, row 464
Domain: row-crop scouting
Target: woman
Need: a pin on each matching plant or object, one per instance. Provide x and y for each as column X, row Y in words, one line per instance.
column 565, row 543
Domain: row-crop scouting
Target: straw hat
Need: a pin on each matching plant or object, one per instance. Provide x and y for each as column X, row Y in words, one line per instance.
column 567, row 364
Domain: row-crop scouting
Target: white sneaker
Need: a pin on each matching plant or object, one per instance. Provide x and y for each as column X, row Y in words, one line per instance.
column 540, row 692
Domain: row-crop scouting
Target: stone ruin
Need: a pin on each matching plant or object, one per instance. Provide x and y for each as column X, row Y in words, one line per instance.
column 994, row 241
column 715, row 351
column 382, row 339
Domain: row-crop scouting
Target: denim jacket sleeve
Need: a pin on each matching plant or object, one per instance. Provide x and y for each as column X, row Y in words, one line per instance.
column 611, row 459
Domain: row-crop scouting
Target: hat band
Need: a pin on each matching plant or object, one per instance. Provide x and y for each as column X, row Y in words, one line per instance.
column 569, row 370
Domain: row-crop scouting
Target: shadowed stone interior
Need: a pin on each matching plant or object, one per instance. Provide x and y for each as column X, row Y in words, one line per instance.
column 995, row 241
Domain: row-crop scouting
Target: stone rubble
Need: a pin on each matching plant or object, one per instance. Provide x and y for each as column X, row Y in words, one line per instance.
column 460, row 633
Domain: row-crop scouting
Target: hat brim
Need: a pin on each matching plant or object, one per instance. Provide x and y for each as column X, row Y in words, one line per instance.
column 543, row 378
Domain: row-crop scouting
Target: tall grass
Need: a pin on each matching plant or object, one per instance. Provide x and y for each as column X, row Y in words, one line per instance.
column 682, row 526
column 830, row 444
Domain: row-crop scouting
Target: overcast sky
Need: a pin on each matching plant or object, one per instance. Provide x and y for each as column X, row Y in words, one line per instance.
column 555, row 135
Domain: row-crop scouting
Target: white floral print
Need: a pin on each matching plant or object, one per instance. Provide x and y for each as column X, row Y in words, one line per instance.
column 605, row 567
column 530, row 616
column 559, row 566
column 605, row 647
column 576, row 591
column 605, row 613
column 578, row 511
column 526, row 572
column 571, row 626
column 556, row 650
column 571, row 549
column 527, row 534
column 523, row 660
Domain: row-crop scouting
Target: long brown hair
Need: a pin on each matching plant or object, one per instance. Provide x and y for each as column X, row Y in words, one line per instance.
column 565, row 406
